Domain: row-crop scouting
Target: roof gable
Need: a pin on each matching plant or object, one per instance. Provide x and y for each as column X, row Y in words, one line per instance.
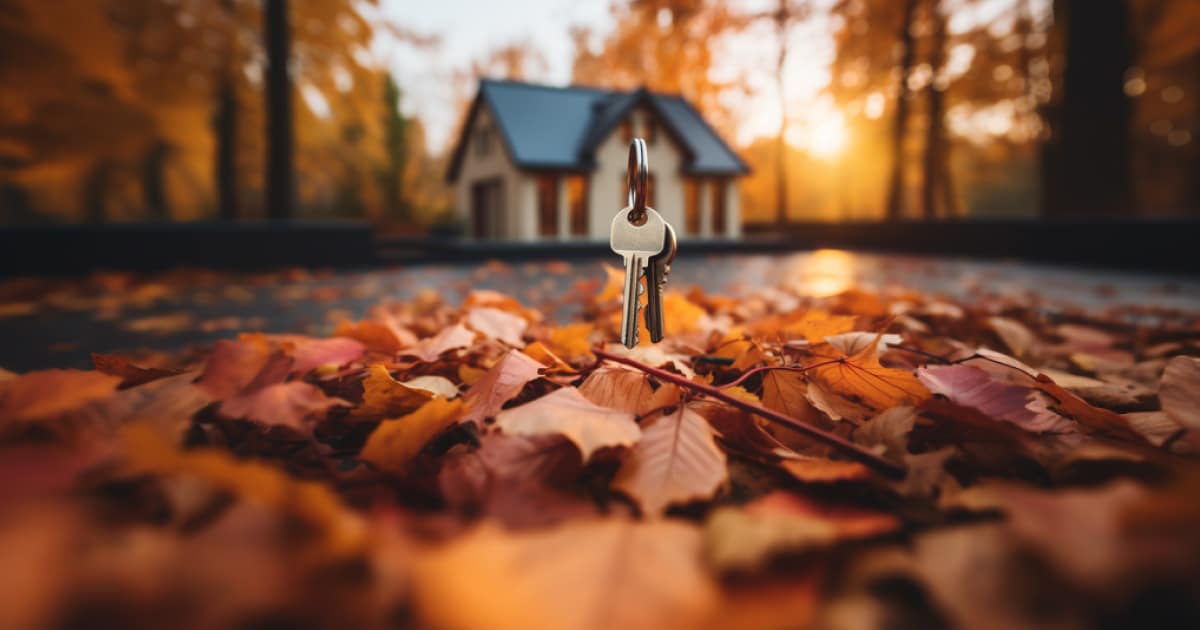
column 559, row 128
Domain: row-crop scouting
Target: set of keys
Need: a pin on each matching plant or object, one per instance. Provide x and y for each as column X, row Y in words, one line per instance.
column 647, row 242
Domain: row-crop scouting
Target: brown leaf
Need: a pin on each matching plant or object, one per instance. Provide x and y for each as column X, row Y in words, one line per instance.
column 41, row 395
column 394, row 443
column 1075, row 407
column 676, row 461
column 234, row 365
column 744, row 538
column 501, row 383
column 583, row 575
column 1179, row 391
column 889, row 430
column 130, row 374
column 619, row 388
column 566, row 412
column 308, row 354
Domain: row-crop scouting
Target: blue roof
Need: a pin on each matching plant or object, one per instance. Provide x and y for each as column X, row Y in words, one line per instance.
column 551, row 128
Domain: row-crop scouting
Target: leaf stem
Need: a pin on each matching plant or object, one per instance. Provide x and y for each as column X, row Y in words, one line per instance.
column 851, row 450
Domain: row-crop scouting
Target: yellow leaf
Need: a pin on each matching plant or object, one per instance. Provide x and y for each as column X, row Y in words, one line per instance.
column 394, row 443
column 572, row 342
column 583, row 575
column 566, row 412
column 385, row 396
column 676, row 461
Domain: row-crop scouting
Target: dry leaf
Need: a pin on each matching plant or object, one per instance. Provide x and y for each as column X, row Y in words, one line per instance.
column 394, row 443
column 501, row 383
column 820, row 470
column 971, row 387
column 619, row 388
column 675, row 461
column 588, row 575
column 39, row 395
column 450, row 338
column 889, row 430
column 1179, row 391
column 283, row 404
column 308, row 354
column 377, row 336
column 497, row 324
column 857, row 387
column 130, row 374
column 573, row 342
column 385, row 396
column 566, row 412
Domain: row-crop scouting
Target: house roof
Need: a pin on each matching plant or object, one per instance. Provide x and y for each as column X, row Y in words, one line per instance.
column 554, row 128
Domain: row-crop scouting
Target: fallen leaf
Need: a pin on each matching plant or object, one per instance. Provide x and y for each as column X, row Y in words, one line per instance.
column 619, row 388
column 450, row 338
column 1155, row 426
column 1179, row 391
column 889, row 430
column 971, row 387
column 377, row 336
column 497, row 324
column 566, row 412
column 48, row 393
column 675, row 461
column 234, row 365
column 436, row 385
column 820, row 470
column 744, row 538
column 652, row 578
column 572, row 342
column 1020, row 341
column 786, row 391
column 394, row 443
column 857, row 387
column 130, row 374
column 291, row 405
column 308, row 354
column 499, row 385
column 1068, row 404
column 385, row 396
column 852, row 343
column 812, row 326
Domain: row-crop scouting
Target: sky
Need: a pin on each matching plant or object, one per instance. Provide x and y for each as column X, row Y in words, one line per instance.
column 470, row 28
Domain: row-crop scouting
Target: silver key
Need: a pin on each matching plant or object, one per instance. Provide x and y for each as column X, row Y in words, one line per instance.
column 656, row 280
column 637, row 243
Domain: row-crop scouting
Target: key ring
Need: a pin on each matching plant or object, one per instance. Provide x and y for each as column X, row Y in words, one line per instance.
column 637, row 175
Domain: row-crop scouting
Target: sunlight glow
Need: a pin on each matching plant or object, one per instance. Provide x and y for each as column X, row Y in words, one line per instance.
column 822, row 132
column 822, row 273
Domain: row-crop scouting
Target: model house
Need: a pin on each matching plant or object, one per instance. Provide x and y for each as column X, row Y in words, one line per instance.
column 535, row 162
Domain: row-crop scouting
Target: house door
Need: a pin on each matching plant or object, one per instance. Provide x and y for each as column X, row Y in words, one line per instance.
column 487, row 208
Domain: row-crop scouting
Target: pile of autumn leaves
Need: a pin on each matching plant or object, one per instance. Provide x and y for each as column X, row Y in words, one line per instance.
column 474, row 466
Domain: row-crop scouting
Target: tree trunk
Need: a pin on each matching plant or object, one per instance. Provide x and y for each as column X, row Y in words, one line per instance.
column 225, row 168
column 782, row 18
column 1086, row 167
column 154, row 187
column 936, row 168
column 280, row 174
column 895, row 198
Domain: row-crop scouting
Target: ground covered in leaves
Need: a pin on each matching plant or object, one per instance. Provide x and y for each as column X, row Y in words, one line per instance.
column 860, row 460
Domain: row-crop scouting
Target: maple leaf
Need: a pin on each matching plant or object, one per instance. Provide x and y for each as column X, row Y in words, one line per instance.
column 377, row 336
column 582, row 575
column 449, row 338
column 499, row 385
column 131, row 375
column 1179, row 391
column 744, row 538
column 786, row 391
column 676, row 461
column 858, row 387
column 566, row 412
column 497, row 324
column 49, row 393
column 971, row 387
column 385, row 396
column 280, row 404
column 619, row 388
column 394, row 443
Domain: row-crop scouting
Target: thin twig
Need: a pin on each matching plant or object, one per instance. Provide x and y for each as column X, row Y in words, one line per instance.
column 847, row 448
column 768, row 368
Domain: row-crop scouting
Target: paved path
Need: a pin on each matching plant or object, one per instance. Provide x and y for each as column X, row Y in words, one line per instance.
column 55, row 323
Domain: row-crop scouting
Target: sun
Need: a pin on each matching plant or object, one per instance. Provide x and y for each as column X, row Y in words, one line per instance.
column 827, row 136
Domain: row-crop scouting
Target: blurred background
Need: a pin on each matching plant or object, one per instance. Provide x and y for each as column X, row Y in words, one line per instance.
column 120, row 111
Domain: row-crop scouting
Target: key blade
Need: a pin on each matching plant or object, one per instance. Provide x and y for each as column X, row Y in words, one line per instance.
column 632, row 300
column 656, row 280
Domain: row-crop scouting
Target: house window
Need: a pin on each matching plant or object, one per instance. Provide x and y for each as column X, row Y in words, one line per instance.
column 627, row 130
column 718, row 206
column 577, row 193
column 547, row 189
column 691, row 205
column 650, row 181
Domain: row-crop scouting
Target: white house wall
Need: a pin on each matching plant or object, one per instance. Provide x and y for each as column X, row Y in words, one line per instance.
column 608, row 188
column 519, row 195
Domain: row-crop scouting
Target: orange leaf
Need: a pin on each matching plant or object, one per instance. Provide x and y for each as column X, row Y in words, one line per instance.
column 572, row 342
column 376, row 336
column 131, row 375
column 676, row 461
column 385, row 396
column 394, row 443
column 583, row 575
column 619, row 388
column 858, row 387
column 499, row 385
